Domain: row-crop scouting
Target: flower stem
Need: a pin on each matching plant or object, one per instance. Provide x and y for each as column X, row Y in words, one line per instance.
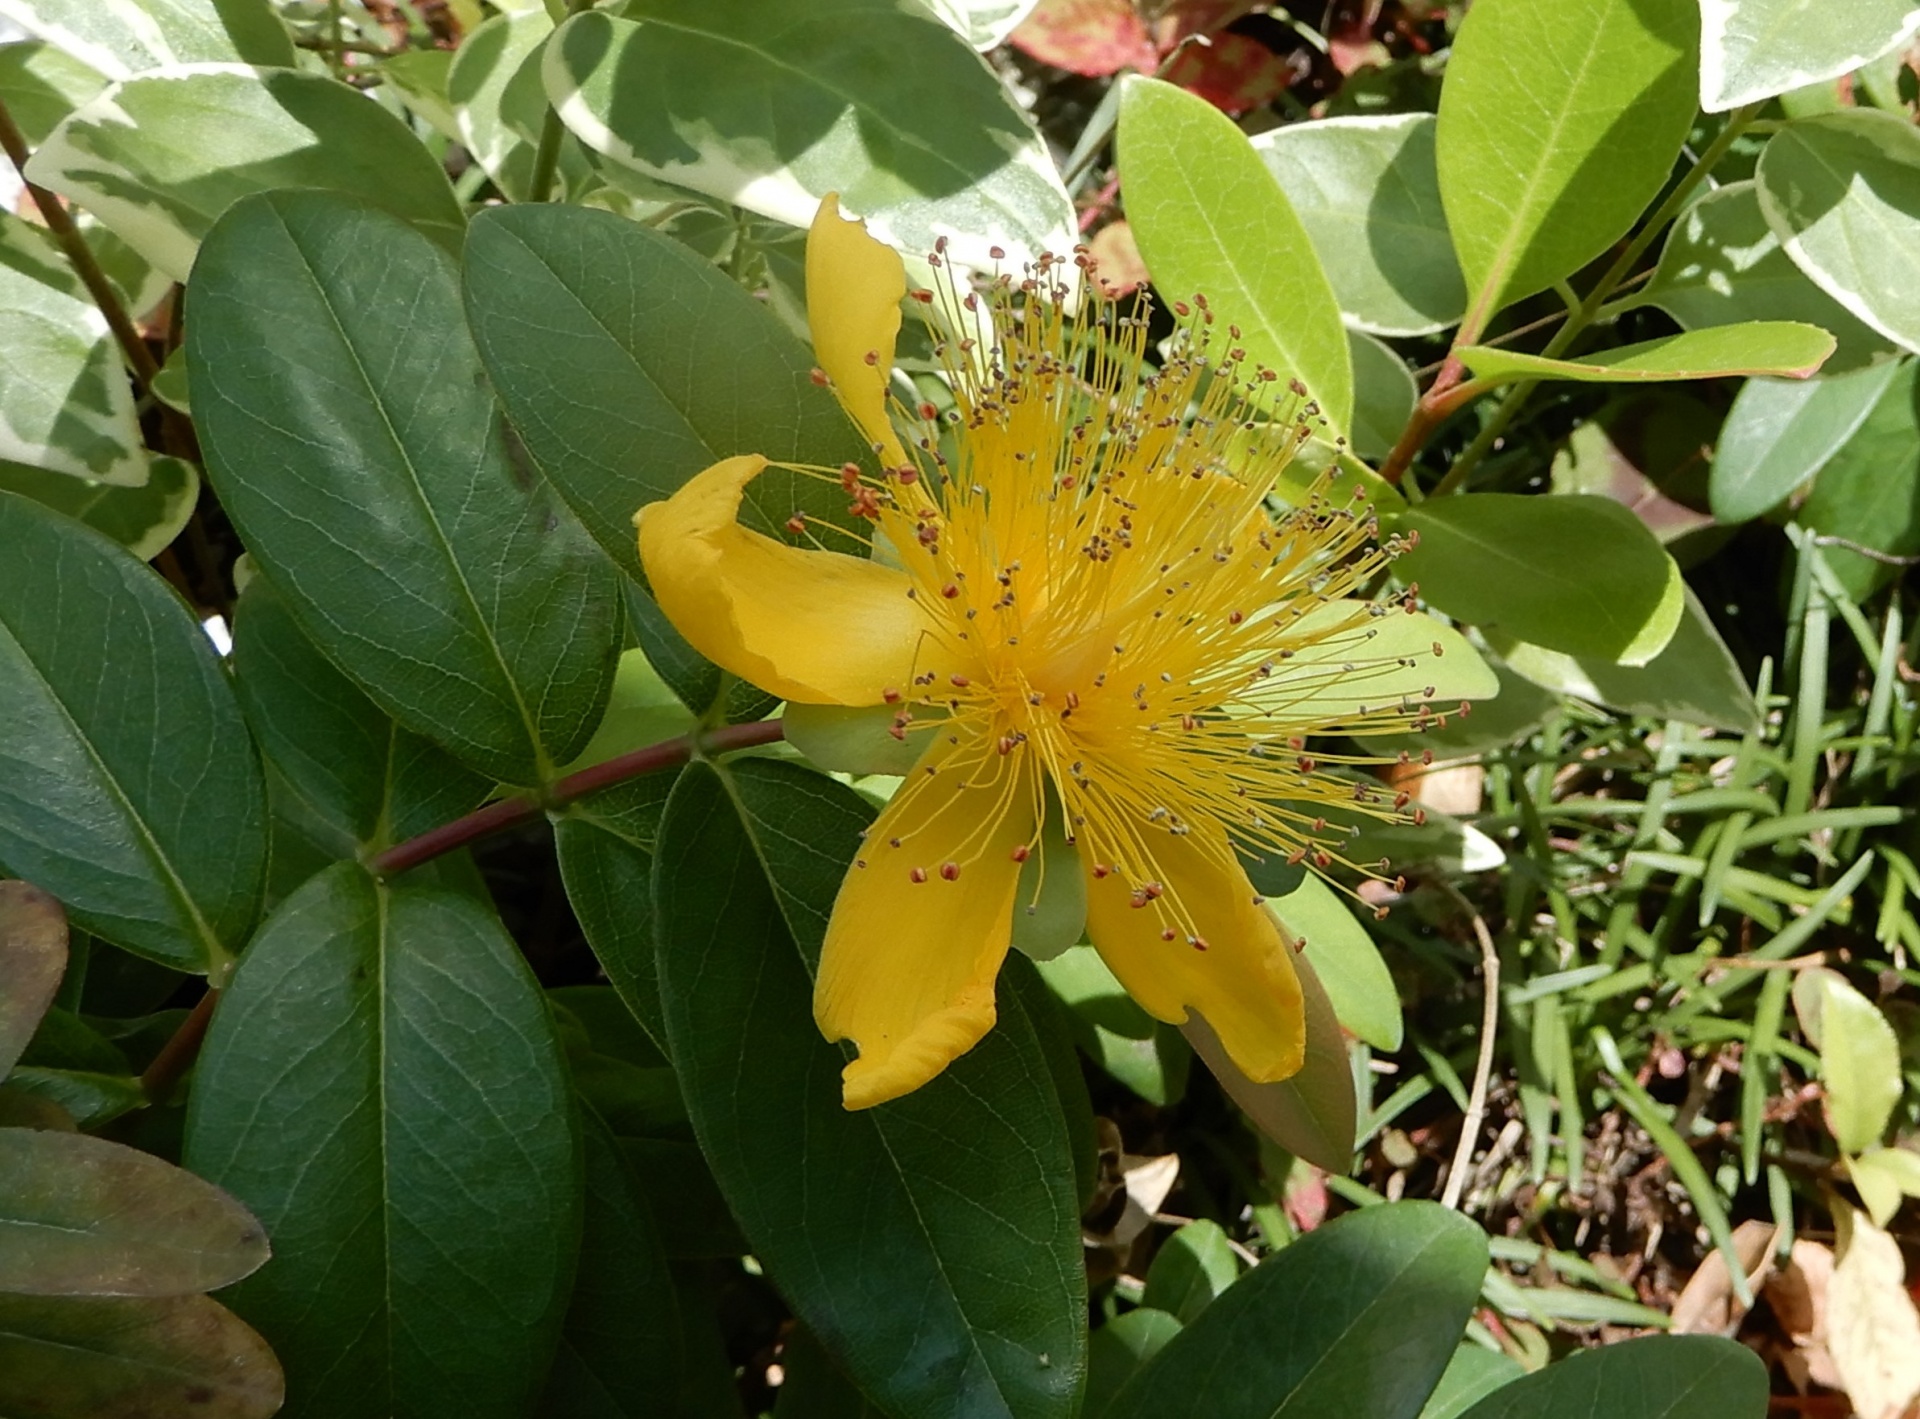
column 511, row 812
column 61, row 226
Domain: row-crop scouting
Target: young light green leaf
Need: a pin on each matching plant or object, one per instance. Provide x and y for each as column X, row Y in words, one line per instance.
column 1657, row 1377
column 80, row 1216
column 128, row 786
column 1859, row 1057
column 353, row 439
column 1313, row 1114
column 41, row 84
column 1883, row 1176
column 1305, row 1331
column 1345, row 959
column 1367, row 192
column 1554, row 137
column 383, row 1088
column 82, row 1357
column 121, row 38
column 1722, row 264
column 1212, row 221
column 1754, row 49
column 1114, row 1032
column 1842, row 194
column 751, row 855
column 1473, row 1373
column 160, row 156
column 33, row 957
column 1575, row 573
column 1694, row 678
column 874, row 99
column 605, row 339
column 1192, row 1267
column 1779, row 433
column 65, row 403
column 1769, row 347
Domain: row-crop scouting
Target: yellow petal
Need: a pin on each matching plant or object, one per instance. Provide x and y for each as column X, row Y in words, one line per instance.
column 1243, row 982
column 805, row 625
column 854, row 289
column 908, row 968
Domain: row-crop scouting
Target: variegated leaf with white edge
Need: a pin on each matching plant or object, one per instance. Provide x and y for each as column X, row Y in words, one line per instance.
column 65, row 403
column 158, row 157
column 1754, row 49
column 121, row 38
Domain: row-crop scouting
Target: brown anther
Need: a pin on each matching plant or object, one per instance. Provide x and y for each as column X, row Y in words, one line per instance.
column 928, row 410
column 959, row 682
column 890, row 695
column 1166, row 933
column 819, row 377
column 924, row 297
column 1234, row 618
column 949, row 591
column 950, row 872
column 917, row 875
column 849, row 477
column 1199, row 943
column 797, row 524
column 1021, row 853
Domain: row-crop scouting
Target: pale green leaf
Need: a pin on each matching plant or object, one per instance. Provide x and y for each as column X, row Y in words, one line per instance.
column 1883, row 1176
column 1210, row 220
column 1383, row 395
column 1754, row 49
column 1842, row 194
column 1368, row 194
column 1556, row 133
column 41, row 84
column 1859, row 1057
column 144, row 520
column 1771, row 347
column 1779, row 433
column 1347, row 962
column 121, row 38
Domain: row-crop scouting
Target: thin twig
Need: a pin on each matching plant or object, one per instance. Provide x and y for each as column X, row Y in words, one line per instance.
column 511, row 812
column 61, row 226
column 1483, row 1066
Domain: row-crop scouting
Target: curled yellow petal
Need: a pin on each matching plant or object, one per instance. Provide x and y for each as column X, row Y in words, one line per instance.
column 814, row 626
column 923, row 921
column 1241, row 978
column 854, row 288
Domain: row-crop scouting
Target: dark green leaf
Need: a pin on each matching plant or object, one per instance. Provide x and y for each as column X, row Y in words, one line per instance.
column 382, row 1087
column 128, row 786
column 85, row 1357
column 361, row 774
column 960, row 1195
column 81, row 1216
column 628, row 364
column 92, row 1099
column 606, row 862
column 33, row 957
column 1869, row 492
column 352, row 438
column 1357, row 1318
column 1658, row 1377
column 1473, row 1373
column 1574, row 573
column 814, row 1388
column 1192, row 1267
column 144, row 520
column 1119, row 1348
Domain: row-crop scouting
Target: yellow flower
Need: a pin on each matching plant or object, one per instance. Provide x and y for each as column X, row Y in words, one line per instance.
column 1088, row 612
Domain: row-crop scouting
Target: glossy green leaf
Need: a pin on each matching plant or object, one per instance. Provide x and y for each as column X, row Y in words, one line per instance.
column 128, row 787
column 1119, row 1348
column 65, row 403
column 361, row 774
column 88, row 1357
column 874, row 99
column 1754, row 49
column 80, row 1216
column 91, row 1099
column 159, row 157
column 1375, row 659
column 1694, row 677
column 628, row 364
column 498, row 102
column 1575, row 573
column 123, row 37
column 620, row 1352
column 1358, row 1318
column 1779, row 433
column 1191, row 1269
column 33, row 957
column 1507, row 718
column 144, row 520
column 411, row 543
column 1657, row 1377
column 1345, row 959
column 1368, row 194
column 1313, row 1114
column 813, row 1387
column 1842, row 194
column 1384, row 392
column 41, row 84
column 420, row 78
column 851, row 741
column 1722, row 264
column 1774, row 347
column 1472, row 1374
column 642, row 710
column 1211, row 220
column 1555, row 136
column 382, row 1088
column 1859, row 1057
column 1144, row 1054
column 750, row 858
column 605, row 843
column 1869, row 492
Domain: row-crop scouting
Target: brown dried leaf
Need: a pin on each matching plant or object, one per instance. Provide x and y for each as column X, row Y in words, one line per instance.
column 33, row 957
column 1707, row 1305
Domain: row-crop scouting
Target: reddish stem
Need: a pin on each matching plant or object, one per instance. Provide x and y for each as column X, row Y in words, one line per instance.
column 511, row 812
column 177, row 1055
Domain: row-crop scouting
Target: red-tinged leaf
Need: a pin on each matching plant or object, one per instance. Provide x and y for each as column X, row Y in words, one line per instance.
column 1234, row 72
column 33, row 957
column 1091, row 37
